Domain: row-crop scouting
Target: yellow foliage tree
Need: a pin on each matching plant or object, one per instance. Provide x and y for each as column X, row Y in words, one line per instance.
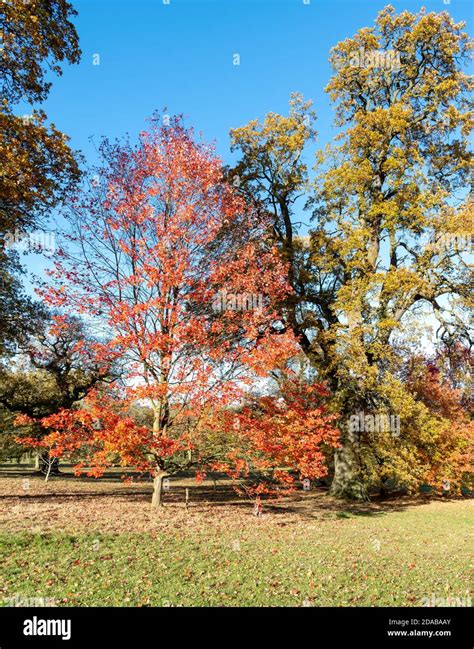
column 384, row 215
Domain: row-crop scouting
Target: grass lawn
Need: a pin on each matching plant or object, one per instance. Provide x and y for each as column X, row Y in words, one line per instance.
column 87, row 542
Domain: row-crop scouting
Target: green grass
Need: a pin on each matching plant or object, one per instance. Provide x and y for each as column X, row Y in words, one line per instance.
column 342, row 559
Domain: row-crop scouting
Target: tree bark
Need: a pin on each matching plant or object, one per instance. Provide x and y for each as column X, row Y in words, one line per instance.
column 347, row 482
column 157, row 498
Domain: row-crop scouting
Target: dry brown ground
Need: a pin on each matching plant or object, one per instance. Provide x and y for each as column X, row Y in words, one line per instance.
column 108, row 505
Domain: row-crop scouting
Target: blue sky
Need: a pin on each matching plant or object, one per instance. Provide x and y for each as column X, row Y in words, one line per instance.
column 180, row 56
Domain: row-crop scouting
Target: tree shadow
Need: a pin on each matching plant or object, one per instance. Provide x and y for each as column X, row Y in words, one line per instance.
column 310, row 506
column 322, row 506
column 12, row 471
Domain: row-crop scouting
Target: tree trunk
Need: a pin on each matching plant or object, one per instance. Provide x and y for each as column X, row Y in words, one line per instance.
column 48, row 466
column 156, row 501
column 347, row 482
column 48, row 471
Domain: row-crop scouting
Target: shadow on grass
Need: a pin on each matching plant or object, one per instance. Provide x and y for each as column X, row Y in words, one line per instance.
column 310, row 506
column 25, row 471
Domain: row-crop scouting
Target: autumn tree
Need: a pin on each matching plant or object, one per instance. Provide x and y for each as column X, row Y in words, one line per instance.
column 280, row 438
column 385, row 194
column 37, row 165
column 149, row 256
column 54, row 369
column 447, row 452
column 19, row 313
column 36, row 161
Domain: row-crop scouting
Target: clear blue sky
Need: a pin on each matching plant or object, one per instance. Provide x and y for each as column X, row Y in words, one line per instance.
column 180, row 55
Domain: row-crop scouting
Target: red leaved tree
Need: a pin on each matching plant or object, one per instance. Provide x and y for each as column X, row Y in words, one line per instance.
column 280, row 438
column 448, row 456
column 181, row 276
